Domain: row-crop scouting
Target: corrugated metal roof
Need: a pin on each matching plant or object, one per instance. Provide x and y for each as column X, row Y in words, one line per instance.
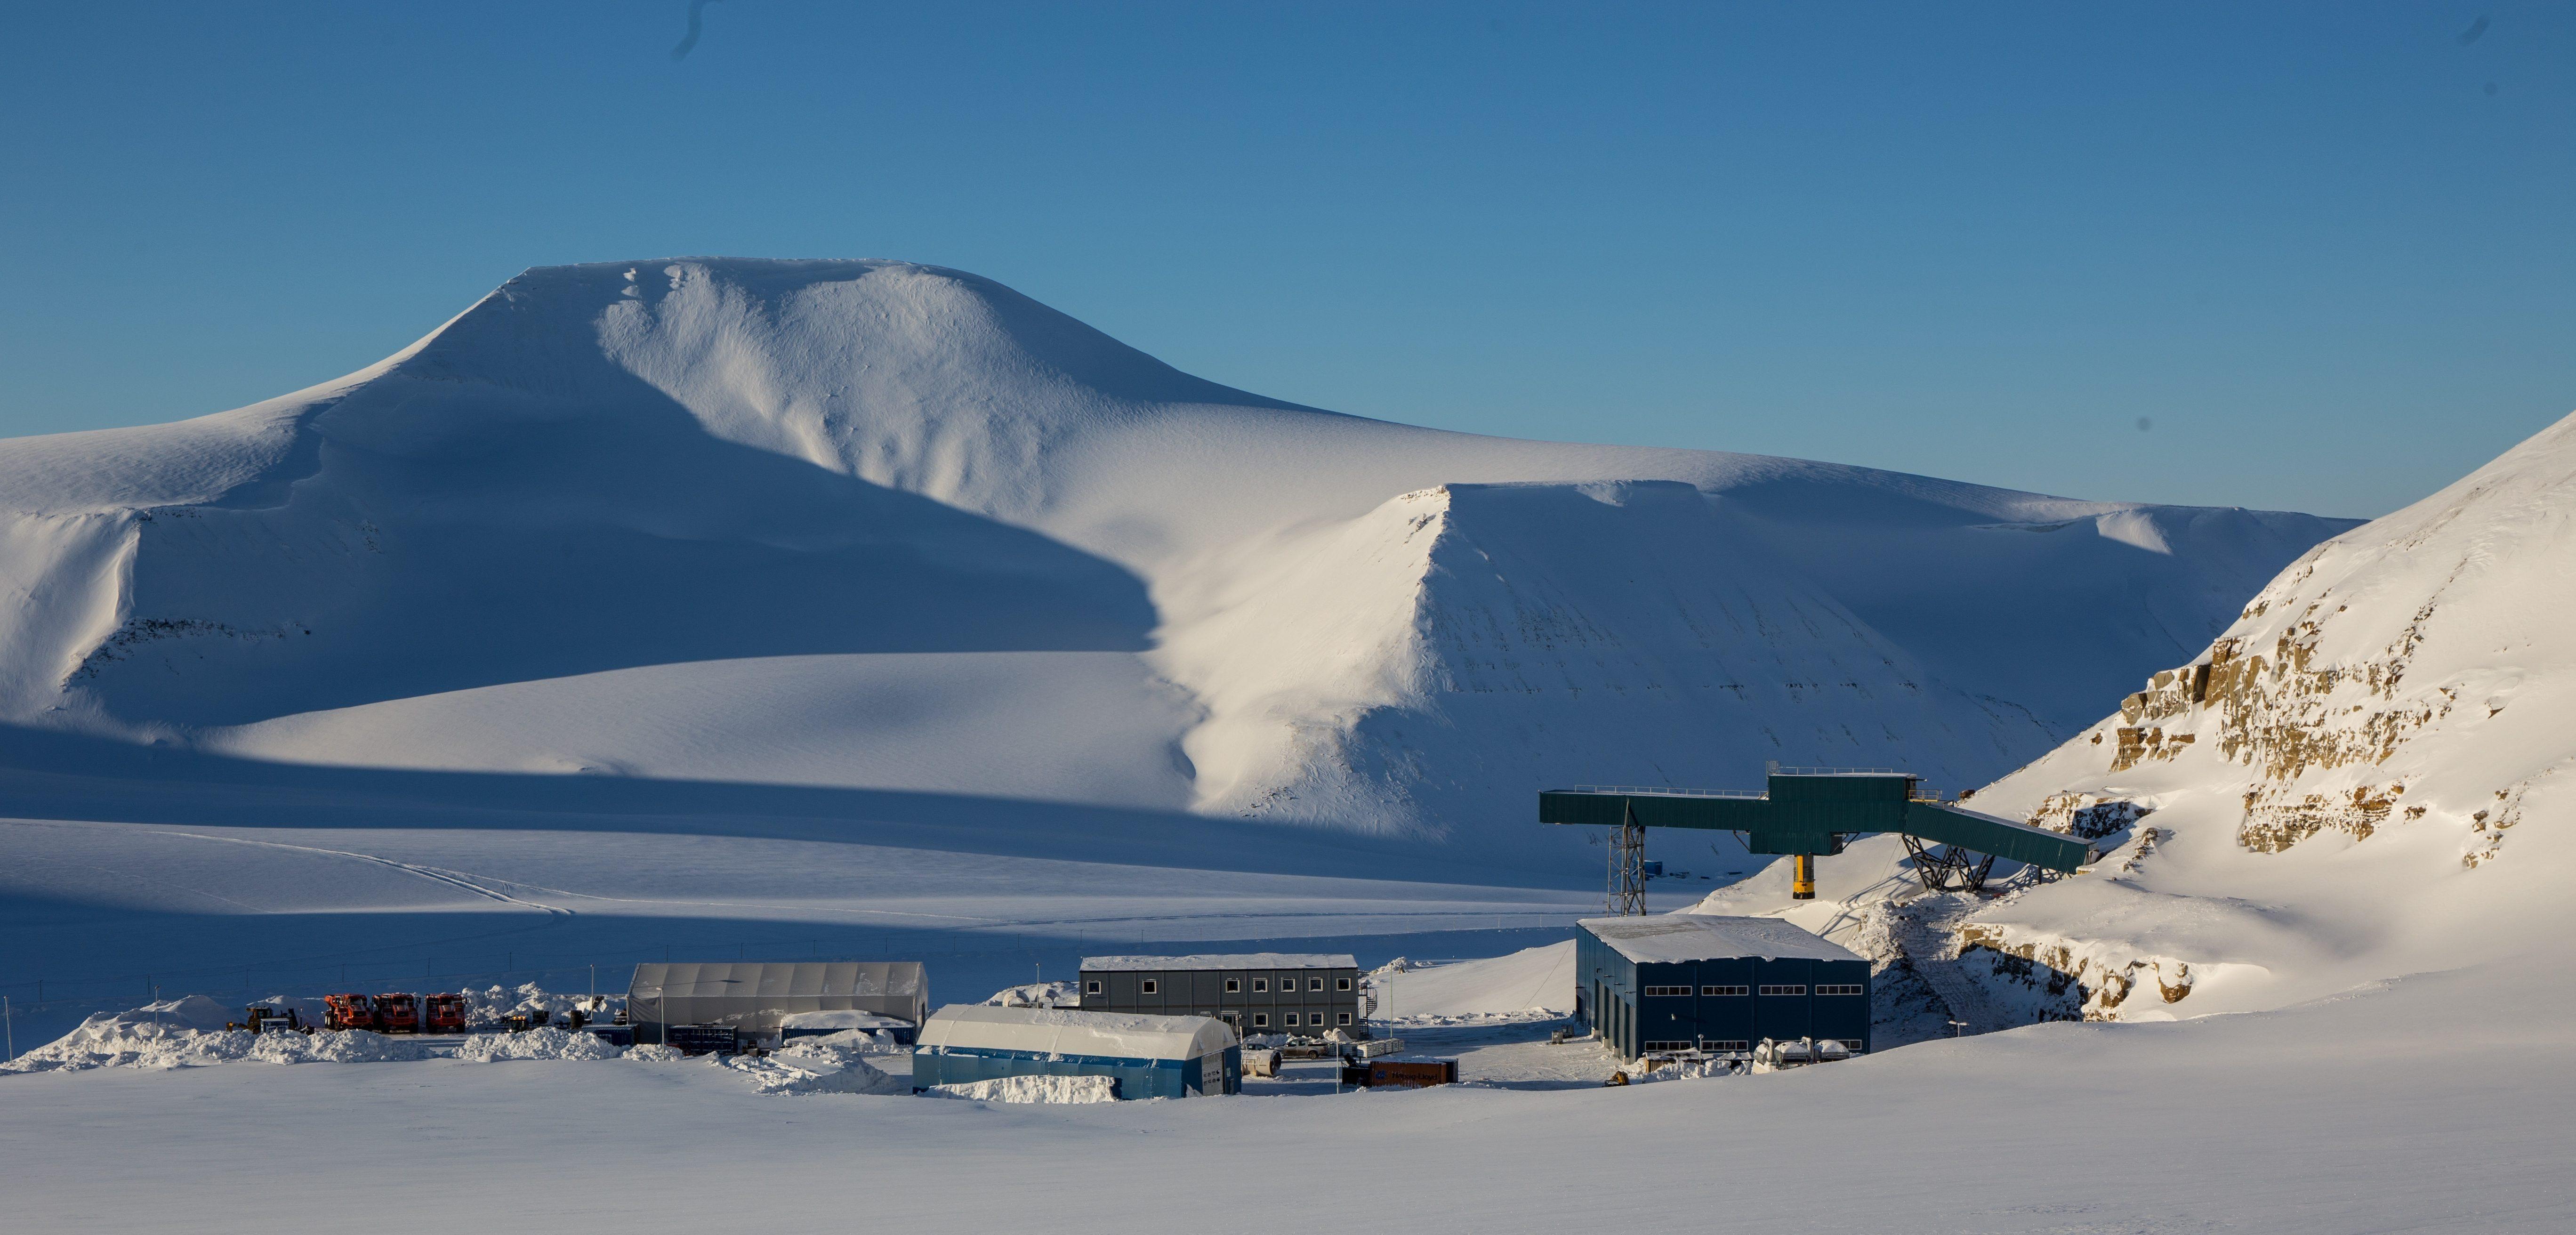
column 1674, row 937
column 777, row 979
column 1061, row 1031
column 1224, row 960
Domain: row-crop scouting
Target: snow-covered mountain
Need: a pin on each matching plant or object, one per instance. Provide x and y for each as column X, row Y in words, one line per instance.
column 2362, row 777
column 877, row 524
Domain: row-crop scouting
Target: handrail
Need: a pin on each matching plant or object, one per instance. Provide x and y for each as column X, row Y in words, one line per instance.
column 1669, row 791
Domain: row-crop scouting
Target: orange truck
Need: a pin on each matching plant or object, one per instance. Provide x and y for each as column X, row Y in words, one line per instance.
column 348, row 1012
column 397, row 1014
column 442, row 1014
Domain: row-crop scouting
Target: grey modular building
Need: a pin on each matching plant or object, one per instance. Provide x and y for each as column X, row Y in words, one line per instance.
column 755, row 996
column 1256, row 992
column 1687, row 981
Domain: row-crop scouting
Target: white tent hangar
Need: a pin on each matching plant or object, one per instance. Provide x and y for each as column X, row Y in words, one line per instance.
column 758, row 996
column 1148, row 1056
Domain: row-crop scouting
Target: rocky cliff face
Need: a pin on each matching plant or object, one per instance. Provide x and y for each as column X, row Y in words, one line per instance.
column 2328, row 779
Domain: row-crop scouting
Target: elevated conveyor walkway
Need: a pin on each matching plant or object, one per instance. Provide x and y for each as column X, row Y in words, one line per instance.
column 1806, row 814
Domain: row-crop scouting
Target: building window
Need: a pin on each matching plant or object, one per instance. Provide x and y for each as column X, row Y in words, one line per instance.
column 1314, row 984
column 1261, row 1020
column 1261, row 986
column 1841, row 988
column 1799, row 989
column 1661, row 992
column 1091, row 988
column 1151, row 988
column 1341, row 984
column 1232, row 985
column 1714, row 991
column 1668, row 1046
column 1290, row 1020
column 1726, row 1044
column 1343, row 1017
column 1852, row 1044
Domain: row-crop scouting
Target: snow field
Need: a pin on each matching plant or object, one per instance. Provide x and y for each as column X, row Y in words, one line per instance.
column 2313, row 1119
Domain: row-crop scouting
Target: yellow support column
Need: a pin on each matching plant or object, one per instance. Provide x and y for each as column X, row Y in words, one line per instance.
column 1802, row 877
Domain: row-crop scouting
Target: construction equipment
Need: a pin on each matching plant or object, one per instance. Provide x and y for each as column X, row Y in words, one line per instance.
column 442, row 1014
column 261, row 1018
column 397, row 1013
column 348, row 1012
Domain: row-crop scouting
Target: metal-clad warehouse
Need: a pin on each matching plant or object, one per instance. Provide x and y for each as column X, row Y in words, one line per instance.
column 1259, row 992
column 1689, row 981
column 1149, row 1056
column 757, row 995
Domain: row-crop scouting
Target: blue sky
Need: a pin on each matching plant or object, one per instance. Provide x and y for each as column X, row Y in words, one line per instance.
column 2322, row 253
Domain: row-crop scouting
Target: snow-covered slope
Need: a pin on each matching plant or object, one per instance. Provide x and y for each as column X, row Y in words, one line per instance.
column 2363, row 776
column 877, row 524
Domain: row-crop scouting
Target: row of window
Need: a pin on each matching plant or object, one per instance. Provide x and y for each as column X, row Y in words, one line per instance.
column 1288, row 1020
column 1712, row 992
column 1234, row 986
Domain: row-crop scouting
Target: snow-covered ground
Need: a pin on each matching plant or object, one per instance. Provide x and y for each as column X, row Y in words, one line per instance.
column 2433, row 1103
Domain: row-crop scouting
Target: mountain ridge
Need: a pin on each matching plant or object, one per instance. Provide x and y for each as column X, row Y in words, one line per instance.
column 611, row 467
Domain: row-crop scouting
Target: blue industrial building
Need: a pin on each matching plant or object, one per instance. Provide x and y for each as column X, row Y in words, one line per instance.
column 1685, row 981
column 1147, row 1056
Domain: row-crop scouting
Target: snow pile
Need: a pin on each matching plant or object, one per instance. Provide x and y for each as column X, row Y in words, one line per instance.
column 189, row 1032
column 638, row 519
column 1037, row 995
column 345, row 1046
column 838, row 1049
column 173, row 1033
column 1067, row 1089
column 548, row 1043
column 818, row 1066
column 655, row 1052
column 1531, row 982
column 490, row 1005
column 1684, row 1070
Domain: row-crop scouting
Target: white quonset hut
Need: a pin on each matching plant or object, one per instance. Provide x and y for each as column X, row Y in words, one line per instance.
column 757, row 997
column 1148, row 1056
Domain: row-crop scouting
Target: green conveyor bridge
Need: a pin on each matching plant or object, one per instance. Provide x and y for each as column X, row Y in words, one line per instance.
column 1806, row 813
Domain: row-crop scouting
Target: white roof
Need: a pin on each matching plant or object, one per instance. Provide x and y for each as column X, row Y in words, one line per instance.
column 1225, row 960
column 1675, row 937
column 775, row 979
column 1063, row 1031
column 847, row 1018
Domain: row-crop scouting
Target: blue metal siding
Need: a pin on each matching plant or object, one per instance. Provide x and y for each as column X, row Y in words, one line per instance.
column 1610, row 999
column 1137, row 1078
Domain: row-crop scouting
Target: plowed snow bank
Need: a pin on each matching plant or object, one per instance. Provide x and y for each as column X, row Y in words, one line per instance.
column 1031, row 1089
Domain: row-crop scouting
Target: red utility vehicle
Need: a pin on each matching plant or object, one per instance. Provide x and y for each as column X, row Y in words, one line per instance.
column 397, row 1014
column 443, row 1014
column 348, row 1012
